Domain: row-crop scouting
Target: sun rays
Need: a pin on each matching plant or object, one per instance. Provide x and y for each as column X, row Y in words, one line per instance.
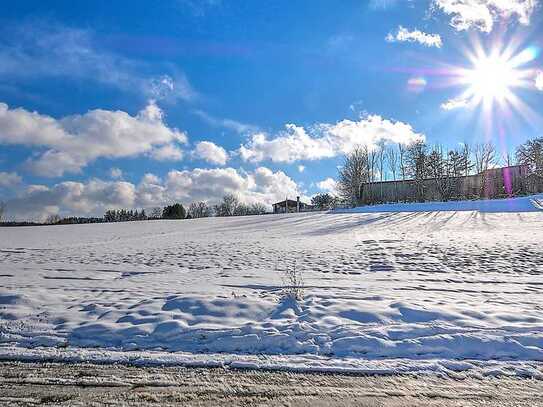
column 494, row 81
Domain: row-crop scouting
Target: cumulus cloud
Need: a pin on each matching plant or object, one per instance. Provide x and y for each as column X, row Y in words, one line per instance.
column 74, row 141
column 482, row 14
column 211, row 152
column 42, row 50
column 9, row 179
column 116, row 173
column 404, row 35
column 71, row 198
column 95, row 196
column 328, row 185
column 268, row 187
column 453, row 104
column 539, row 81
column 169, row 152
column 326, row 140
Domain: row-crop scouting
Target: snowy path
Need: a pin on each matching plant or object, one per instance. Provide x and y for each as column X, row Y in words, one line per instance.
column 443, row 291
column 83, row 385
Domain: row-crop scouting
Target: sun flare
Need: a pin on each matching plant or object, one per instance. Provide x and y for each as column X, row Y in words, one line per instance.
column 492, row 79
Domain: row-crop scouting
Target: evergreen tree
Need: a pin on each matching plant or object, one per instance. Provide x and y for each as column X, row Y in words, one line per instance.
column 175, row 211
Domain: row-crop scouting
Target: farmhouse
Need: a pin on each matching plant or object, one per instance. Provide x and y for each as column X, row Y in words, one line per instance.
column 288, row 205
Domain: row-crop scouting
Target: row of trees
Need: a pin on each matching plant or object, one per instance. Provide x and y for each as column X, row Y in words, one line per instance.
column 420, row 162
column 124, row 215
column 230, row 205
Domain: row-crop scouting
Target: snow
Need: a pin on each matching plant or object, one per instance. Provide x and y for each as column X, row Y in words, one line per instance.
column 388, row 292
column 531, row 203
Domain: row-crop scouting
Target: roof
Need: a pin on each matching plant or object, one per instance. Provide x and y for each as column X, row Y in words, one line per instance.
column 291, row 203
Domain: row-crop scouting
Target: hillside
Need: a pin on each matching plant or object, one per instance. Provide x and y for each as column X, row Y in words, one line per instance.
column 455, row 291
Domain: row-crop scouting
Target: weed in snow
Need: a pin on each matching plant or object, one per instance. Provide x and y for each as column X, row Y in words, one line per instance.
column 293, row 283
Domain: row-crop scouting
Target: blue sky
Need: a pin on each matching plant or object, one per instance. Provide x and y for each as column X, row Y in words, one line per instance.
column 106, row 104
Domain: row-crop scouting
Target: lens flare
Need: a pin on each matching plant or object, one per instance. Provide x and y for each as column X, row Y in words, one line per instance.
column 494, row 79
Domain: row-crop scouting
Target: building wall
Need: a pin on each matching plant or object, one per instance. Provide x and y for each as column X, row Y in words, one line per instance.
column 494, row 183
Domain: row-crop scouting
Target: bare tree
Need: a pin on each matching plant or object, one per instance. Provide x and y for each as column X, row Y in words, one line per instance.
column 508, row 158
column 381, row 159
column 392, row 161
column 485, row 158
column 199, row 210
column 372, row 165
column 531, row 154
column 352, row 175
column 258, row 209
column 53, row 219
column 2, row 210
column 444, row 168
column 416, row 161
column 228, row 206
column 241, row 209
column 459, row 162
column 466, row 153
column 401, row 151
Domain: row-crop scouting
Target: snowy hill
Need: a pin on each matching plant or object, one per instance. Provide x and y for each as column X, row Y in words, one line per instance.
column 385, row 292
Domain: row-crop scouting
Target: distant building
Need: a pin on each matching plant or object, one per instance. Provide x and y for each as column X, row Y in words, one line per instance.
column 288, row 206
column 493, row 183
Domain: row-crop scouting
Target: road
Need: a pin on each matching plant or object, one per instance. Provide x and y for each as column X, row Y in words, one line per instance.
column 29, row 384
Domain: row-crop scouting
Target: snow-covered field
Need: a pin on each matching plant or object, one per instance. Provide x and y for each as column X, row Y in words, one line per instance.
column 447, row 291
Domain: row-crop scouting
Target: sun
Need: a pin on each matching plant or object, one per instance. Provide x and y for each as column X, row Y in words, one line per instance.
column 492, row 79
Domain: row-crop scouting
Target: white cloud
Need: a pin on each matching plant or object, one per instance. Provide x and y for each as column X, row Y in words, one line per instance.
column 169, row 152
column 230, row 124
column 116, row 173
column 383, row 4
column 539, row 81
column 482, row 14
column 328, row 185
column 326, row 140
column 71, row 198
column 301, row 168
column 291, row 145
column 9, row 179
column 404, row 35
column 453, row 104
column 95, row 196
column 74, row 141
column 151, row 192
column 41, row 50
column 268, row 187
column 210, row 152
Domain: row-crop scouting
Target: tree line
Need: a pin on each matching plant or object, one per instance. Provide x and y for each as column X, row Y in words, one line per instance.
column 230, row 205
column 427, row 166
